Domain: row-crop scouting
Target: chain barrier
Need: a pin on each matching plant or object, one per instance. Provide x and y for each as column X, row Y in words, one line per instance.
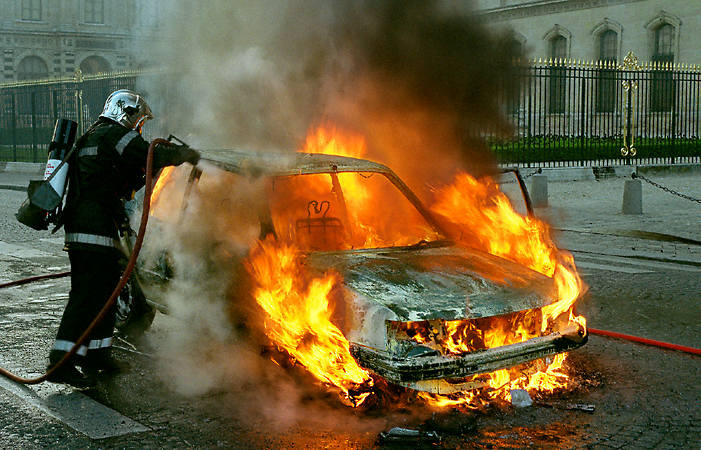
column 666, row 189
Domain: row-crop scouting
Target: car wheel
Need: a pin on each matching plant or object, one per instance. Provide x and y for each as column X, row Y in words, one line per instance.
column 134, row 313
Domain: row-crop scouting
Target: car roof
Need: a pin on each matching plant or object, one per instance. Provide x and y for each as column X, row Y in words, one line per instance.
column 289, row 163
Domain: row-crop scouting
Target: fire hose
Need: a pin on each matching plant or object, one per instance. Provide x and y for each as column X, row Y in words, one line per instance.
column 628, row 337
column 122, row 281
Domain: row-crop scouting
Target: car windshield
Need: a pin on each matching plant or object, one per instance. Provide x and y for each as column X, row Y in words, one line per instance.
column 345, row 211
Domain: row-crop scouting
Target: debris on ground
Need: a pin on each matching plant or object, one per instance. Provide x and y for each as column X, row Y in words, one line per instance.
column 580, row 406
column 586, row 407
column 520, row 398
column 398, row 435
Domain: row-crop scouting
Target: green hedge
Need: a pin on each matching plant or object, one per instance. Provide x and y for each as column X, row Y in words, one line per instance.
column 547, row 149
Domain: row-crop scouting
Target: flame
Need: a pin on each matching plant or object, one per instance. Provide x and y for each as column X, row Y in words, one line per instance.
column 328, row 139
column 484, row 218
column 298, row 316
column 167, row 195
column 343, row 211
column 481, row 216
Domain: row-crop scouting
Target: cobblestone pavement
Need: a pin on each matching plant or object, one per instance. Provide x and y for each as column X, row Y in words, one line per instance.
column 644, row 397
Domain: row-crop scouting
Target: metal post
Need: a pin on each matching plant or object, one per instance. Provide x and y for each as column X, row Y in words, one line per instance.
column 55, row 104
column 34, row 127
column 674, row 114
column 14, row 126
column 582, row 113
column 629, row 109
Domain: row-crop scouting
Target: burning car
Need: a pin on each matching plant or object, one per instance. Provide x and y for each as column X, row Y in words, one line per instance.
column 358, row 278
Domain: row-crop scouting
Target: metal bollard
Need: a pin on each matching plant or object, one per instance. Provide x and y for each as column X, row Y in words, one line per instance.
column 539, row 191
column 633, row 197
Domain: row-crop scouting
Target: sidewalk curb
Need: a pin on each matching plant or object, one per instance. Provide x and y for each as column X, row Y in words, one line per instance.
column 22, row 167
column 13, row 187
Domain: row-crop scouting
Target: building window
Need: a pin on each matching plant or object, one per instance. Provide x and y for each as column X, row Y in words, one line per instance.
column 31, row 9
column 32, row 101
column 606, row 78
column 663, row 88
column 94, row 11
column 558, row 79
column 32, row 68
column 513, row 95
column 94, row 64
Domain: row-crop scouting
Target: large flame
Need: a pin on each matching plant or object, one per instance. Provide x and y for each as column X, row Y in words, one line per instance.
column 477, row 213
column 298, row 316
column 481, row 216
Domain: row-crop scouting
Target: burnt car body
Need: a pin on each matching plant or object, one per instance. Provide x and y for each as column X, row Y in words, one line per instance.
column 392, row 288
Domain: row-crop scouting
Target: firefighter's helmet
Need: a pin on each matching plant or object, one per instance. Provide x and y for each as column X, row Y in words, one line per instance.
column 127, row 108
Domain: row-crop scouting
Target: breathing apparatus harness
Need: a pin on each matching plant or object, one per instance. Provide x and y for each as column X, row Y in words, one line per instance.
column 122, row 281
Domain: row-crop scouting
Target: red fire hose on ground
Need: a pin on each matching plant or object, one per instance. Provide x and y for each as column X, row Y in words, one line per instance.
column 122, row 281
column 628, row 337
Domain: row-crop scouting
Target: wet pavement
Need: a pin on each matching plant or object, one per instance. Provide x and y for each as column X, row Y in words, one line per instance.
column 644, row 397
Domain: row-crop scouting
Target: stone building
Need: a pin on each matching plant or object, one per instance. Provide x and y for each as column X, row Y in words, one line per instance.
column 590, row 30
column 52, row 38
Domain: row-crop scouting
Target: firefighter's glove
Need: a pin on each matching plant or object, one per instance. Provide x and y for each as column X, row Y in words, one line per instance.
column 190, row 155
column 174, row 155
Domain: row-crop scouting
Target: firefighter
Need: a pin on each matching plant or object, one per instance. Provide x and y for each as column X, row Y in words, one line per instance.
column 110, row 165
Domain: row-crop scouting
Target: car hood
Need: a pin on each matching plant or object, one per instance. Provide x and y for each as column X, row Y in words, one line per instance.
column 438, row 283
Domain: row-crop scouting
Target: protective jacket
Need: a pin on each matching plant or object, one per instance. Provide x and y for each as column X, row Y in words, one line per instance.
column 110, row 165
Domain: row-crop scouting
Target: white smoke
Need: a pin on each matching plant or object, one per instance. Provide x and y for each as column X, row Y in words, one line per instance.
column 254, row 75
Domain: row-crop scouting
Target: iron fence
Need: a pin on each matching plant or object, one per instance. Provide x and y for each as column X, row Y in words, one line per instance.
column 568, row 113
column 564, row 113
column 28, row 110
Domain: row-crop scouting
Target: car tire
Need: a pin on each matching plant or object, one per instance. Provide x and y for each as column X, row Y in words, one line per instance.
column 134, row 314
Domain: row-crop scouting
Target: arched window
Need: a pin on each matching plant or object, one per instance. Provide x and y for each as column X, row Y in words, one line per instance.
column 606, row 82
column 513, row 96
column 31, row 101
column 664, row 43
column 608, row 46
column 558, row 80
column 32, row 68
column 94, row 64
column 663, row 89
